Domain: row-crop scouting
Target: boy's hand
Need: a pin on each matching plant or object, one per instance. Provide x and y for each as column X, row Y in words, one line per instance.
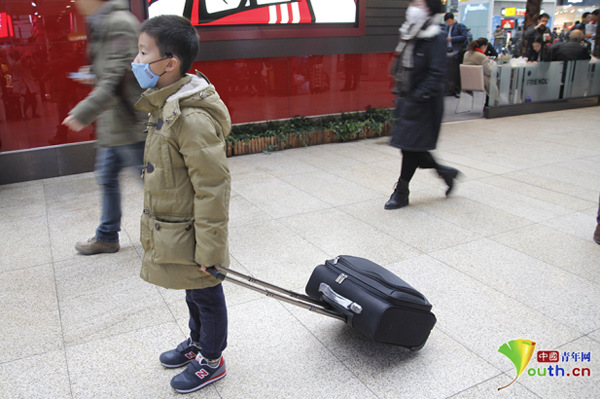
column 213, row 271
column 205, row 269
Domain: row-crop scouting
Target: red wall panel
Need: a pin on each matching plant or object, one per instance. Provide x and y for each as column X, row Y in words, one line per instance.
column 254, row 90
column 284, row 87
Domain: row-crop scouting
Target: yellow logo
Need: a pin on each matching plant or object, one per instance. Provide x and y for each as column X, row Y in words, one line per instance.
column 519, row 351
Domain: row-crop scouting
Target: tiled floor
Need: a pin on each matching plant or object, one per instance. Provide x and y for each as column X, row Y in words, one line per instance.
column 508, row 256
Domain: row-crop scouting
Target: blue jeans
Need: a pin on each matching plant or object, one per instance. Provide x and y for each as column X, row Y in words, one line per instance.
column 208, row 319
column 110, row 161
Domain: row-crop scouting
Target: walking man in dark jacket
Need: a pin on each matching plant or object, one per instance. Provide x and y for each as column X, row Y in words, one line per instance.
column 456, row 36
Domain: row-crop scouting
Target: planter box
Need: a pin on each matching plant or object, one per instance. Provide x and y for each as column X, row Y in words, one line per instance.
column 295, row 140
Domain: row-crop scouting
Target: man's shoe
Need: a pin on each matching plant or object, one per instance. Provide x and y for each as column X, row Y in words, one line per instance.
column 597, row 235
column 93, row 246
column 198, row 374
column 180, row 356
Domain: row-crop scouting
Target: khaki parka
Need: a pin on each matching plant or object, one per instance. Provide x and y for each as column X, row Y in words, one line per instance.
column 186, row 184
column 112, row 45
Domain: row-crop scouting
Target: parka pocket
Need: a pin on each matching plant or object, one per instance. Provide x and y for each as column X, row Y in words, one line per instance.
column 145, row 230
column 174, row 242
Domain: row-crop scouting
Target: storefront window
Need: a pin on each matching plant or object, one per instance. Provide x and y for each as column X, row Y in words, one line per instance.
column 40, row 44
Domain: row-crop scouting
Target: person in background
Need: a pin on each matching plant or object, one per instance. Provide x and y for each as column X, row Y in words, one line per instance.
column 499, row 39
column 112, row 39
column 469, row 36
column 456, row 36
column 574, row 49
column 590, row 28
column 585, row 19
column 187, row 187
column 538, row 52
column 476, row 56
column 490, row 51
column 420, row 75
column 538, row 30
column 516, row 41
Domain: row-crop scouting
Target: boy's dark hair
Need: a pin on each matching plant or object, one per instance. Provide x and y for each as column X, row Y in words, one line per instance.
column 596, row 11
column 448, row 16
column 174, row 36
column 585, row 14
column 543, row 15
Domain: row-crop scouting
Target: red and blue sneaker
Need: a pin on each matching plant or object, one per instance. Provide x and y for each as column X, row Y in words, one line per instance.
column 180, row 356
column 198, row 374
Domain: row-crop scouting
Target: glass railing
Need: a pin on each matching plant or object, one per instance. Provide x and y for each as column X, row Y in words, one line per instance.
column 544, row 81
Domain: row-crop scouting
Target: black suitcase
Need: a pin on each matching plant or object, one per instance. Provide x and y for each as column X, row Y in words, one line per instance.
column 375, row 302
column 361, row 293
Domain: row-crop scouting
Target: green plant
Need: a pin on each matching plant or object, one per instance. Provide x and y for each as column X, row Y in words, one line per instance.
column 347, row 126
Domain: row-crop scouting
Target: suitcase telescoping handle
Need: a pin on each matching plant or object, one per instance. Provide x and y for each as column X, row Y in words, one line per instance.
column 339, row 300
column 267, row 289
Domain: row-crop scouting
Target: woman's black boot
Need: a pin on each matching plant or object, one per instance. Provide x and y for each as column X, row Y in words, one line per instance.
column 399, row 198
column 448, row 174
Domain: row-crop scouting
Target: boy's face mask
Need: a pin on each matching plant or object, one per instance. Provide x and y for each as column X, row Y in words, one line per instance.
column 145, row 77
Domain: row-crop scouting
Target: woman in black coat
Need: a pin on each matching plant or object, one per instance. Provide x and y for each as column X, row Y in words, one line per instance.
column 420, row 73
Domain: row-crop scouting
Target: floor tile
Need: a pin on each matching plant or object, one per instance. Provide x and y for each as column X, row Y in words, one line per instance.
column 127, row 365
column 283, row 198
column 293, row 364
column 30, row 323
column 518, row 204
column 411, row 226
column 25, row 243
column 103, row 295
column 508, row 255
column 480, row 317
column 22, row 201
column 281, row 256
column 330, row 188
column 545, row 288
column 550, row 246
column 333, row 230
column 36, row 377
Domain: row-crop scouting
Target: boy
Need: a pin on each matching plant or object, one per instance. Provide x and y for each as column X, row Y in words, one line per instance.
column 186, row 192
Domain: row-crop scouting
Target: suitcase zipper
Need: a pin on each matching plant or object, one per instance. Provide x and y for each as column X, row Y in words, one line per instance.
column 377, row 278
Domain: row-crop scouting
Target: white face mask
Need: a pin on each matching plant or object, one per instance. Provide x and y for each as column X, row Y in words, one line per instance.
column 416, row 14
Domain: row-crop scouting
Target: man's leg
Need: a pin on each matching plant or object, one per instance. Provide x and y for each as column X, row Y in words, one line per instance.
column 109, row 164
column 106, row 239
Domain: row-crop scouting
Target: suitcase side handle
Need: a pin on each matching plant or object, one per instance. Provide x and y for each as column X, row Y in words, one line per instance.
column 339, row 300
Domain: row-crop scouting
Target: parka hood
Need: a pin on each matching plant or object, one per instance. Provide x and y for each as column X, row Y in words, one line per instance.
column 189, row 91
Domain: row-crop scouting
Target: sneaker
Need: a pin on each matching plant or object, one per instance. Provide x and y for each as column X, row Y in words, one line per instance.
column 93, row 246
column 198, row 374
column 180, row 356
column 597, row 235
